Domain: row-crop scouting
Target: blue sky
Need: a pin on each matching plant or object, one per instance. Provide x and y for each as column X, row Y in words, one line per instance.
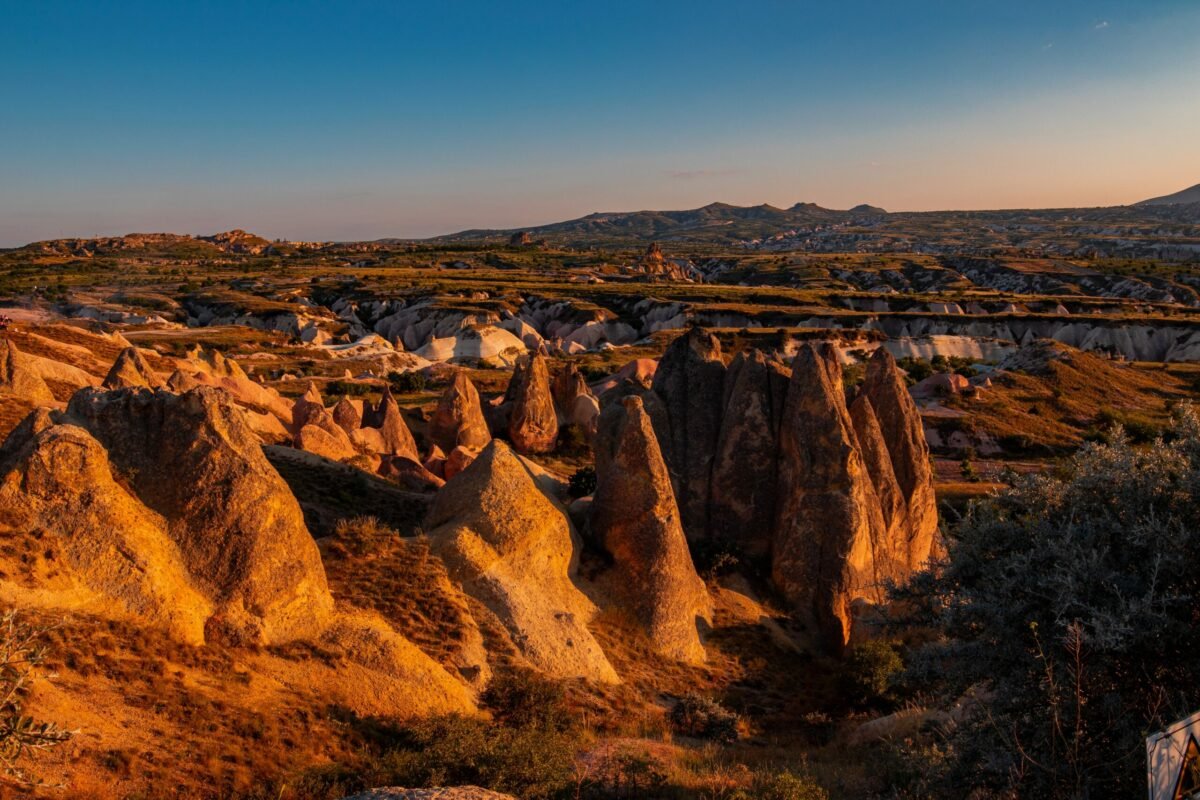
column 341, row 120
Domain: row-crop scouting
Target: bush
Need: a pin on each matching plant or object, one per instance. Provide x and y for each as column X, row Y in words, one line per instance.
column 704, row 718
column 524, row 698
column 783, row 786
column 583, row 482
column 1070, row 599
column 21, row 653
column 870, row 672
column 530, row 762
column 402, row 382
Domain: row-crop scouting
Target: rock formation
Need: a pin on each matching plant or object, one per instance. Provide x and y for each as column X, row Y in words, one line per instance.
column 828, row 515
column 900, row 422
column 690, row 380
column 131, row 370
column 512, row 547
column 235, row 521
column 459, row 419
column 195, row 497
column 892, row 551
column 569, row 385
column 635, row 519
column 396, row 438
column 18, row 379
column 532, row 420
column 744, row 471
column 347, row 415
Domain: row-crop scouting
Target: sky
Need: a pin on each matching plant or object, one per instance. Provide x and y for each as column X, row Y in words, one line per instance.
column 360, row 120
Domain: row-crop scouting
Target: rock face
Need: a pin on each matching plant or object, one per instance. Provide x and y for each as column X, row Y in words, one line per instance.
column 131, row 371
column 459, row 419
column 18, row 379
column 532, row 420
column 315, row 430
column 635, row 518
column 512, row 547
column 893, row 549
column 690, row 380
column 744, row 472
column 828, row 515
column 199, row 524
column 904, row 435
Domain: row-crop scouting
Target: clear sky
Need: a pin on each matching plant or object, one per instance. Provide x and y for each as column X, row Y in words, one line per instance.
column 347, row 120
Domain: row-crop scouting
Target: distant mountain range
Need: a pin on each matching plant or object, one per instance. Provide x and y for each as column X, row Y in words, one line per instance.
column 1191, row 195
column 718, row 222
column 863, row 226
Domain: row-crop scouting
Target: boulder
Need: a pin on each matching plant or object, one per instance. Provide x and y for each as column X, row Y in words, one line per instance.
column 904, row 435
column 131, row 370
column 532, row 420
column 745, row 466
column 458, row 419
column 18, row 379
column 316, row 439
column 511, row 546
column 634, row 517
column 828, row 515
column 690, row 380
column 310, row 410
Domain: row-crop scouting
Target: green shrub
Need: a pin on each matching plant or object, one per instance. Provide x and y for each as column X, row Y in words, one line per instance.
column 704, row 718
column 402, row 382
column 1070, row 599
column 870, row 672
column 524, row 698
column 783, row 786
column 530, row 762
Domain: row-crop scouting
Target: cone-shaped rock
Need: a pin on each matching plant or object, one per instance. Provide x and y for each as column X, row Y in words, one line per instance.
column 891, row 553
column 396, row 437
column 512, row 547
column 635, row 518
column 828, row 514
column 904, row 434
column 569, row 385
column 690, row 380
column 189, row 465
column 131, row 371
column 18, row 378
column 309, row 409
column 458, row 419
column 347, row 415
column 532, row 421
column 745, row 469
column 116, row 546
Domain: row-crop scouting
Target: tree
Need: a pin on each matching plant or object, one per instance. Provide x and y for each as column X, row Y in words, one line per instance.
column 1068, row 607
